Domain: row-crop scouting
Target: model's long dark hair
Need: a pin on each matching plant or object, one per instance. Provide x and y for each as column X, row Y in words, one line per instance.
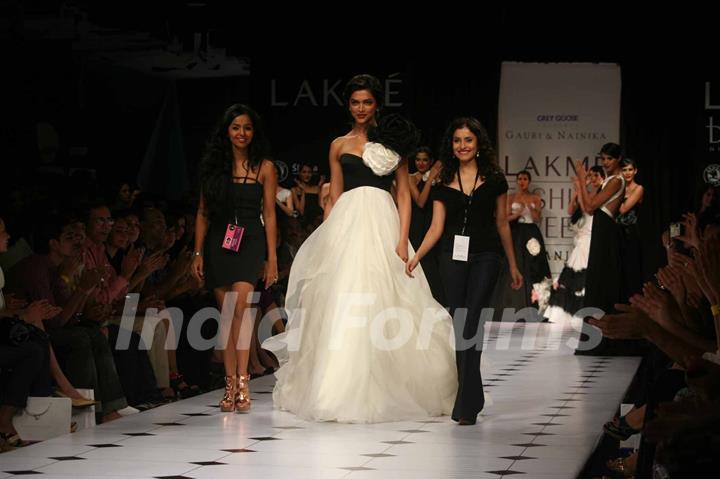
column 365, row 82
column 486, row 159
column 217, row 160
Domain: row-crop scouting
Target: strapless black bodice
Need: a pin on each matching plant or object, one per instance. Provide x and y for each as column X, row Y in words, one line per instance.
column 357, row 174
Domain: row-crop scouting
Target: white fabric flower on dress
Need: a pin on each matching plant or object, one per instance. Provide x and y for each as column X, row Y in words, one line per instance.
column 382, row 161
column 541, row 294
column 533, row 246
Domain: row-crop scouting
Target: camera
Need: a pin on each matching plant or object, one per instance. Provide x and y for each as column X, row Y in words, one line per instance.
column 233, row 236
column 676, row 229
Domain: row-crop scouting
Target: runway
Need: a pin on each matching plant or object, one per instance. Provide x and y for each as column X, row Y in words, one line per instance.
column 544, row 414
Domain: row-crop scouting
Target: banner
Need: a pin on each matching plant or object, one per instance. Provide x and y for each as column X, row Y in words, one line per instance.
column 549, row 115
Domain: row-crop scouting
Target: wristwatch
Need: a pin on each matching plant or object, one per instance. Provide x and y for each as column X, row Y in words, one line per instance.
column 197, row 253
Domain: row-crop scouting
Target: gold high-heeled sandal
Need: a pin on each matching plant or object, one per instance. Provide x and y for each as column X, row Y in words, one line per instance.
column 77, row 402
column 242, row 394
column 227, row 403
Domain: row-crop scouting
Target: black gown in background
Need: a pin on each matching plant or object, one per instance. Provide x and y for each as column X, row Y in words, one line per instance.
column 313, row 215
column 631, row 250
column 604, row 282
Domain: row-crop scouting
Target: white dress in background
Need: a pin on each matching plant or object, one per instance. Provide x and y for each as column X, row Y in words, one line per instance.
column 568, row 298
column 283, row 194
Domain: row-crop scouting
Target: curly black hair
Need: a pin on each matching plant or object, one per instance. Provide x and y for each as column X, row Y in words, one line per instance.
column 217, row 160
column 486, row 159
column 395, row 133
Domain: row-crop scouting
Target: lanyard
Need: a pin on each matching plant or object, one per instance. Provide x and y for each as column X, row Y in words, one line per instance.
column 468, row 203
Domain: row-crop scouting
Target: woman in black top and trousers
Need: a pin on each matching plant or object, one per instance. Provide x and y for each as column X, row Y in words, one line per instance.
column 470, row 220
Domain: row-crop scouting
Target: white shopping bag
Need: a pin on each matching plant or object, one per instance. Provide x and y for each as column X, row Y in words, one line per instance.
column 43, row 418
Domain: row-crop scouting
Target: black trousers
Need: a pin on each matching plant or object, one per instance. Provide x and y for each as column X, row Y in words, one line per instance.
column 86, row 358
column 468, row 289
column 134, row 369
column 25, row 372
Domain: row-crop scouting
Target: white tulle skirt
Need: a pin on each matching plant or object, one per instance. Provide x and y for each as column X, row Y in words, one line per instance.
column 365, row 343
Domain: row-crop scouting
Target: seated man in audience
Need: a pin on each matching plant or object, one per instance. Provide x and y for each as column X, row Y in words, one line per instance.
column 98, row 309
column 58, row 244
column 166, row 283
column 98, row 223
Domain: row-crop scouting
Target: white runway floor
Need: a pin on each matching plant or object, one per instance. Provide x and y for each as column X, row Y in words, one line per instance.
column 543, row 417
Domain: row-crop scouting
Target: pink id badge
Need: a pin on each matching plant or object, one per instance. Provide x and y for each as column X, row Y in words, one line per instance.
column 233, row 236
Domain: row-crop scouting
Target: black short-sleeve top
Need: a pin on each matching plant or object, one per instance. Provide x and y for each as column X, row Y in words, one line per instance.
column 480, row 226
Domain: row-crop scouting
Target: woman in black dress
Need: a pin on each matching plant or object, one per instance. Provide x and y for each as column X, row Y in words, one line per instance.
column 628, row 216
column 421, row 183
column 236, row 179
column 470, row 221
column 306, row 197
column 604, row 277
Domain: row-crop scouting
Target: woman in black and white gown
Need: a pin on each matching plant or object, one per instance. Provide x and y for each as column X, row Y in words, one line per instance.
column 365, row 343
column 568, row 295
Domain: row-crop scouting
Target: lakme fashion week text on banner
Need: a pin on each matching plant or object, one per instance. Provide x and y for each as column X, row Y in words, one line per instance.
column 549, row 115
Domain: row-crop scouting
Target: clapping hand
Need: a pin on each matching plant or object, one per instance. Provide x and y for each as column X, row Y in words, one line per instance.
column 13, row 303
column 91, row 279
column 629, row 323
column 655, row 304
column 131, row 261
column 39, row 311
column 580, row 171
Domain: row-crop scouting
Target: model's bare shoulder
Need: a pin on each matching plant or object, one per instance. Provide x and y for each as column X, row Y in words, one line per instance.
column 336, row 147
column 343, row 142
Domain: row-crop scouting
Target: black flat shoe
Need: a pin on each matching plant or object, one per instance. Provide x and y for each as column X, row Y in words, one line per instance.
column 466, row 422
